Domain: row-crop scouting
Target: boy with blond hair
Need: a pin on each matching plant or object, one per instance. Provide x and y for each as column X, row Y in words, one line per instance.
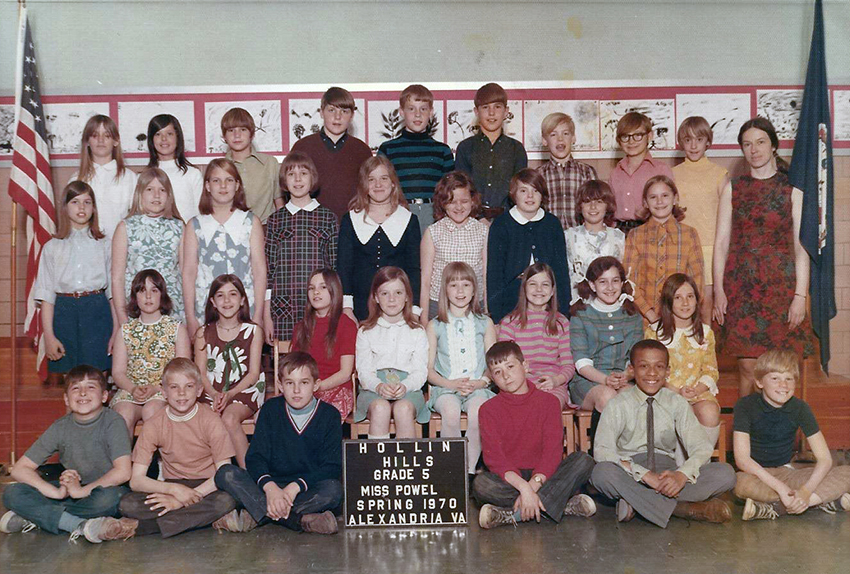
column 94, row 448
column 490, row 157
column 259, row 171
column 522, row 436
column 700, row 182
column 419, row 160
column 337, row 154
column 193, row 443
column 634, row 134
column 563, row 174
column 766, row 424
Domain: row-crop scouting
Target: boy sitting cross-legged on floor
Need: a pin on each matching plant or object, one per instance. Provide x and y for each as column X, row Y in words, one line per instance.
column 635, row 444
column 94, row 448
column 192, row 442
column 766, row 425
column 522, row 438
column 294, row 462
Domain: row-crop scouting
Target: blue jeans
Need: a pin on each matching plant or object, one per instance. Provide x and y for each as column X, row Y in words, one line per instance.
column 27, row 502
column 321, row 496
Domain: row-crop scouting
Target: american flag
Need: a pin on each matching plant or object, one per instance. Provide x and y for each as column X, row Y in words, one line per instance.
column 30, row 184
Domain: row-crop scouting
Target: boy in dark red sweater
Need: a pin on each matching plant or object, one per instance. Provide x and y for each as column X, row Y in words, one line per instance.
column 522, row 437
column 336, row 153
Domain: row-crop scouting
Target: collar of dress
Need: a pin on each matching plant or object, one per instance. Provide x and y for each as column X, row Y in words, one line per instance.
column 521, row 219
column 394, row 226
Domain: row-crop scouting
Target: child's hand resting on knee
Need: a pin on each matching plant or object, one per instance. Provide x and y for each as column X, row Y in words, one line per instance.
column 793, row 503
column 279, row 500
column 529, row 505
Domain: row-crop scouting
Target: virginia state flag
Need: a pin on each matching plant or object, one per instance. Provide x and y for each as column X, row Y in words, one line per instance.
column 811, row 172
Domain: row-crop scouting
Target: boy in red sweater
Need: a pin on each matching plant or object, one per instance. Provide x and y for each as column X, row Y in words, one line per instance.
column 522, row 438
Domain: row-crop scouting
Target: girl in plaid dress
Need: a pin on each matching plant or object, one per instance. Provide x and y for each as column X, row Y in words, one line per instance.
column 300, row 238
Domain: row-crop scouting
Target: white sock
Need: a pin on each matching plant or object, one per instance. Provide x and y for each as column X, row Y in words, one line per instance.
column 378, row 436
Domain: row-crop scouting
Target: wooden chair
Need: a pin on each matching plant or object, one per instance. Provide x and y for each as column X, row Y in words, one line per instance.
column 280, row 348
column 436, row 423
column 582, row 429
column 569, row 431
column 720, row 452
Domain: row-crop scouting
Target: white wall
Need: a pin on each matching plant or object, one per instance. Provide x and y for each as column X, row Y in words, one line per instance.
column 115, row 45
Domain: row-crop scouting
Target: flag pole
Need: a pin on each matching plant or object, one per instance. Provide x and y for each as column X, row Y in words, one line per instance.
column 13, row 288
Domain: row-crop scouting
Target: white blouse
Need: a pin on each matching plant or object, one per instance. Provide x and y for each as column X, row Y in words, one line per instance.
column 392, row 345
column 113, row 197
column 76, row 264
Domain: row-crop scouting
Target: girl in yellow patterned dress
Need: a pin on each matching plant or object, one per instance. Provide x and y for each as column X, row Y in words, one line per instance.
column 148, row 341
column 693, row 362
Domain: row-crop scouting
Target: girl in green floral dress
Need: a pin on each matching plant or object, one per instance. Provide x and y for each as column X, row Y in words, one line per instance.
column 228, row 348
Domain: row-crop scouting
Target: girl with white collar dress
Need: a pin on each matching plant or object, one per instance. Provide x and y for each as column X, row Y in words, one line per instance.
column 524, row 235
column 378, row 231
column 225, row 238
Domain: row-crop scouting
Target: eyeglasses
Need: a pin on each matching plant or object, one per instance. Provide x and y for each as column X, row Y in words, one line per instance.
column 633, row 137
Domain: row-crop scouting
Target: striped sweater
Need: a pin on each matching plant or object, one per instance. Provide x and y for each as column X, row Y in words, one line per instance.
column 546, row 354
column 420, row 162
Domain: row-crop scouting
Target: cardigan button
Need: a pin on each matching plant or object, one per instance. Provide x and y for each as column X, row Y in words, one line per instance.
column 612, row 338
column 610, row 327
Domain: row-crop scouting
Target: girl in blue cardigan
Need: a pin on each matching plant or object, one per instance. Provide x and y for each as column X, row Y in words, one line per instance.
column 523, row 235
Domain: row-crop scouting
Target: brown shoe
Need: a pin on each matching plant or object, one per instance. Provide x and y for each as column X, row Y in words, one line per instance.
column 712, row 510
column 324, row 523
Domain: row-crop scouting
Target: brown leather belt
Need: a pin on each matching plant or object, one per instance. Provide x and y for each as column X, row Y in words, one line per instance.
column 81, row 294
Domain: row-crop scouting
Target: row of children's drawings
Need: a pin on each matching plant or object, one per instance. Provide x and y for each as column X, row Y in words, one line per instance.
column 378, row 120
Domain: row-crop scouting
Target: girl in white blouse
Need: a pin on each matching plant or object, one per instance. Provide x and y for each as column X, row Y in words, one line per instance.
column 167, row 151
column 102, row 167
column 392, row 359
column 73, row 286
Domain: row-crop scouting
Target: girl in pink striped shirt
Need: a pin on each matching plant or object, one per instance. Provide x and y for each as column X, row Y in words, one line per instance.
column 542, row 332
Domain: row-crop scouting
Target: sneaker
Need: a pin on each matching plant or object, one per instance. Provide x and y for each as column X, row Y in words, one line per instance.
column 712, row 510
column 580, row 505
column 840, row 505
column 324, row 523
column 230, row 522
column 759, row 510
column 11, row 523
column 625, row 512
column 492, row 516
column 96, row 530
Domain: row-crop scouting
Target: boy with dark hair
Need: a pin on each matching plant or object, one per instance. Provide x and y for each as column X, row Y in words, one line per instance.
column 336, row 153
column 490, row 157
column 634, row 134
column 766, row 424
column 193, row 443
column 259, row 171
column 635, row 444
column 419, row 160
column 294, row 461
column 94, row 448
column 522, row 438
